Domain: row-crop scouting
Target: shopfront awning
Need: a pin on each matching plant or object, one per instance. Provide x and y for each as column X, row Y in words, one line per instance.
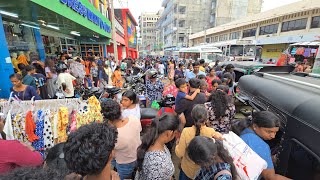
column 81, row 18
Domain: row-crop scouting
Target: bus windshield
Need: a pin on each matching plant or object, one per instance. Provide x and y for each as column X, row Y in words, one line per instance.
column 211, row 56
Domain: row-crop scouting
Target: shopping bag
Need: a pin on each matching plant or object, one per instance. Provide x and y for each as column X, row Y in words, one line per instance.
column 249, row 164
column 155, row 105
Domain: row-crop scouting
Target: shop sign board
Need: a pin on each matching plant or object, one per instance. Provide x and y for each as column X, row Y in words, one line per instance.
column 77, row 6
column 81, row 12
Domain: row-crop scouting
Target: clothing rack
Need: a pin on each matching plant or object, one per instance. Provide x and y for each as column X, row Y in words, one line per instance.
column 32, row 105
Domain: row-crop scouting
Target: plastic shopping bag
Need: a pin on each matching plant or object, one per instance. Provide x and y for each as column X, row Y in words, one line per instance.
column 249, row 164
column 155, row 105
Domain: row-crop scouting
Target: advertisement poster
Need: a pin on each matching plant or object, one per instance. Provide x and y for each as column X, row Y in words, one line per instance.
column 132, row 34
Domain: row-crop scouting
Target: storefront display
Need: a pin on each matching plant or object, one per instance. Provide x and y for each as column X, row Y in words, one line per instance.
column 20, row 41
column 91, row 50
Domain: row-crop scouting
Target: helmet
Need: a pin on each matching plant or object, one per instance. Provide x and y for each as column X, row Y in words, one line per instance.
column 61, row 67
column 168, row 100
column 153, row 74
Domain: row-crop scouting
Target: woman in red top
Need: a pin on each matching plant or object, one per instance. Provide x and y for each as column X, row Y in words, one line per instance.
column 210, row 78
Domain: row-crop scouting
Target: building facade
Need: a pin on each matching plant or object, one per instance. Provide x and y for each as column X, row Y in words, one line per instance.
column 147, row 24
column 181, row 18
column 36, row 29
column 129, row 24
column 273, row 30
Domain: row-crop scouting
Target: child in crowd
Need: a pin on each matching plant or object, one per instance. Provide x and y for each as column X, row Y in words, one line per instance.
column 181, row 84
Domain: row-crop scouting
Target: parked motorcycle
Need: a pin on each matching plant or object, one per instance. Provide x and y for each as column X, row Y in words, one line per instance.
column 148, row 114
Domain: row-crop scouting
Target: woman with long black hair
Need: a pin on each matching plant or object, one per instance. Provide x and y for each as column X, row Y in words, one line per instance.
column 214, row 160
column 154, row 158
column 263, row 126
column 221, row 111
column 200, row 116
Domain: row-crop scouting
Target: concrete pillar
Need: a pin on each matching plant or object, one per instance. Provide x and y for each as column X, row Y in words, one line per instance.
column 6, row 68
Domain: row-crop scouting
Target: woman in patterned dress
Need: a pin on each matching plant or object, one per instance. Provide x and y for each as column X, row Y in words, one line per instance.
column 154, row 158
column 221, row 111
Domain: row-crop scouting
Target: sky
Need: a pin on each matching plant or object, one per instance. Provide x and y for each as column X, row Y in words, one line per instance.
column 139, row 6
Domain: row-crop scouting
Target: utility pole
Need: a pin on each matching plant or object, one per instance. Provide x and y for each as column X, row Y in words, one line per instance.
column 113, row 25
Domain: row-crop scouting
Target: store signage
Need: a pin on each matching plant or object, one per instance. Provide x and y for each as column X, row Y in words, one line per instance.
column 78, row 7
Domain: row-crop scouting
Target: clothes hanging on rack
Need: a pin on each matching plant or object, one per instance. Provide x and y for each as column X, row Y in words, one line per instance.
column 8, row 127
column 63, row 120
column 47, row 131
column 19, row 130
column 30, row 127
column 73, row 124
column 39, row 144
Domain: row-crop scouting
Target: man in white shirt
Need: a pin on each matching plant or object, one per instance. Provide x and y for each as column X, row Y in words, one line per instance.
column 65, row 82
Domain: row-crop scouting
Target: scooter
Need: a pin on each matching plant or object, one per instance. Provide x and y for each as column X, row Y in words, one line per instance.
column 148, row 114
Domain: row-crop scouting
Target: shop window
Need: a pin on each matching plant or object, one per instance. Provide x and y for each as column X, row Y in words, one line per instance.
column 315, row 23
column 303, row 163
column 181, row 39
column 235, row 35
column 182, row 23
column 249, row 32
column 20, row 40
column 298, row 24
column 182, row 10
column 270, row 29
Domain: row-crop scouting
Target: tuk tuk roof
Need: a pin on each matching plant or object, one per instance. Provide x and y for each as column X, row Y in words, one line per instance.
column 246, row 64
column 298, row 100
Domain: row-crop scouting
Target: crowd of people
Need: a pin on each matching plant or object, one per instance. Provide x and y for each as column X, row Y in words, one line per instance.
column 203, row 112
column 63, row 76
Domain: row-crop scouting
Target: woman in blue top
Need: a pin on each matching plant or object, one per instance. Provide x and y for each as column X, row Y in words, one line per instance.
column 21, row 91
column 264, row 126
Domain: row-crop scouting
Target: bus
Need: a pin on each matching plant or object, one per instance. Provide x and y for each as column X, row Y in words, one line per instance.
column 209, row 54
column 238, row 50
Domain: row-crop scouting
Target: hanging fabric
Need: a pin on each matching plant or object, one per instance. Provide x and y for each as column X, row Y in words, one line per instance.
column 19, row 130
column 47, row 131
column 63, row 120
column 30, row 127
column 55, row 126
column 39, row 144
column 8, row 127
column 73, row 124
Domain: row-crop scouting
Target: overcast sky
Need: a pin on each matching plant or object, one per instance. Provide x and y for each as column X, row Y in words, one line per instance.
column 138, row 6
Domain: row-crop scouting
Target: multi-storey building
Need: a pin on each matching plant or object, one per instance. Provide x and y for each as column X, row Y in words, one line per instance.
column 273, row 30
column 181, row 18
column 147, row 26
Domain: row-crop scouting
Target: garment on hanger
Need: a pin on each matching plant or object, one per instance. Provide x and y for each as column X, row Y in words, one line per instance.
column 55, row 125
column 19, row 130
column 39, row 144
column 30, row 127
column 63, row 120
column 8, row 127
column 73, row 124
column 89, row 113
column 47, row 131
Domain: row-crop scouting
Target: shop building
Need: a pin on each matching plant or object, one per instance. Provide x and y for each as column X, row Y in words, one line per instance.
column 130, row 32
column 48, row 28
column 273, row 30
column 121, row 45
